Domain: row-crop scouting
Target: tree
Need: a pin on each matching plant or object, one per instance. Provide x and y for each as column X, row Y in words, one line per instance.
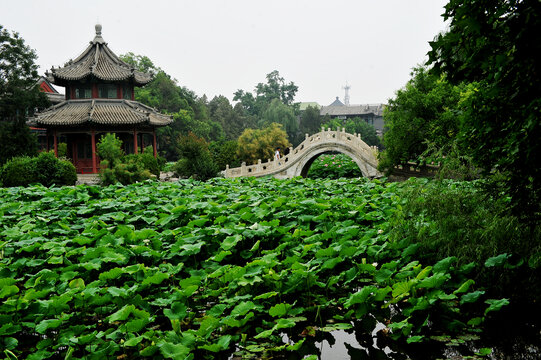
column 224, row 153
column 195, row 159
column 19, row 95
column 310, row 121
column 356, row 126
column 278, row 112
column 274, row 88
column 255, row 144
column 424, row 111
column 189, row 111
column 233, row 120
column 495, row 44
column 140, row 63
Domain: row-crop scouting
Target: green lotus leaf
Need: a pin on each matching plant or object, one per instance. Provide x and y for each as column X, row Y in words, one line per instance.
column 173, row 351
column 44, row 325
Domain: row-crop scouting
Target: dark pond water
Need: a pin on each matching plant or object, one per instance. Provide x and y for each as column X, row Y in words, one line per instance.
column 513, row 334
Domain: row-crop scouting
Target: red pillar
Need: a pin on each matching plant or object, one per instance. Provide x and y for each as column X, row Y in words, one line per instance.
column 135, row 146
column 47, row 136
column 154, row 143
column 94, row 165
column 55, row 142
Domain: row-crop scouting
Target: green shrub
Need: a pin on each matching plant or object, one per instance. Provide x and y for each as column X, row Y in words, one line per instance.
column 110, row 148
column 117, row 168
column 195, row 158
column 201, row 168
column 150, row 163
column 62, row 150
column 128, row 170
column 66, row 174
column 224, row 153
column 18, row 171
column 131, row 170
column 449, row 218
column 45, row 169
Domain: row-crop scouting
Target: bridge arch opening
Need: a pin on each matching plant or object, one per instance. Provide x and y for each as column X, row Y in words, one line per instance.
column 331, row 164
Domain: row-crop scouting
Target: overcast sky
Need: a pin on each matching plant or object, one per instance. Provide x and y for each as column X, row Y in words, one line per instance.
column 215, row 47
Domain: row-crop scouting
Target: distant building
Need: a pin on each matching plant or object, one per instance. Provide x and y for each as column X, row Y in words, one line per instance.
column 371, row 113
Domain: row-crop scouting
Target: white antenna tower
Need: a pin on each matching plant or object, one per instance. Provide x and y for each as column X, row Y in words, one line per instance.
column 346, row 96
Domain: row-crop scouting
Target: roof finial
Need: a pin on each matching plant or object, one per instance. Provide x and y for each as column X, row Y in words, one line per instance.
column 98, row 29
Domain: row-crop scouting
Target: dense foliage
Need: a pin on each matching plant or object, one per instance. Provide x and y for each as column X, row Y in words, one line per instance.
column 310, row 121
column 116, row 167
column 202, row 270
column 260, row 144
column 225, row 153
column 355, row 126
column 275, row 88
column 494, row 44
column 195, row 159
column 19, row 95
column 190, row 112
column 44, row 169
column 422, row 120
column 473, row 226
column 279, row 113
column 334, row 166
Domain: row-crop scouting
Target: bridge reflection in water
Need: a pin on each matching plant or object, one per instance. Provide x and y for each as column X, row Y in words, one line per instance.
column 298, row 161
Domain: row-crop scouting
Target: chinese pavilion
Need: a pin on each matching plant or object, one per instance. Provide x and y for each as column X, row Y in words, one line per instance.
column 99, row 99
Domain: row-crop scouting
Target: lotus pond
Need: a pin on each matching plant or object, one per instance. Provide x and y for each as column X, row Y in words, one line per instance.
column 243, row 268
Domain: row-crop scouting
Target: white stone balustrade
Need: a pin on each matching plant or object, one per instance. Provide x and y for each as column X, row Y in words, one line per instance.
column 299, row 159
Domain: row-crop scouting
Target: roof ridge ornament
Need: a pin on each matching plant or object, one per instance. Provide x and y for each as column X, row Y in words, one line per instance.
column 98, row 39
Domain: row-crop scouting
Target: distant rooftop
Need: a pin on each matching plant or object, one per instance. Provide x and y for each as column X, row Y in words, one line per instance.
column 352, row 110
column 337, row 102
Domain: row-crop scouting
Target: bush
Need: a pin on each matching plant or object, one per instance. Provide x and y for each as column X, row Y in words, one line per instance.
column 65, row 173
column 224, row 153
column 45, row 166
column 18, row 171
column 16, row 140
column 195, row 158
column 150, row 163
column 201, row 167
column 448, row 218
column 45, row 169
column 62, row 150
column 110, row 148
column 117, row 168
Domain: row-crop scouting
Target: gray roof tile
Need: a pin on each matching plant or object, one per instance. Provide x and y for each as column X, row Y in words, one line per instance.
column 98, row 60
column 100, row 111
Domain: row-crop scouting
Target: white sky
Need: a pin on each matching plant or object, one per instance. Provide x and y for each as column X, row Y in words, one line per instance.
column 215, row 47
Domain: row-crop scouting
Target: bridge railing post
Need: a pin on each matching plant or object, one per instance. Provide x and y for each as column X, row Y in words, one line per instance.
column 243, row 169
column 227, row 171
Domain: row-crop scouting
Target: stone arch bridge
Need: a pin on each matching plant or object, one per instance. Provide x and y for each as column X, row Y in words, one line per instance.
column 299, row 160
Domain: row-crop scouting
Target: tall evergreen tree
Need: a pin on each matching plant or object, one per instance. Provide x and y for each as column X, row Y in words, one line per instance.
column 19, row 95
